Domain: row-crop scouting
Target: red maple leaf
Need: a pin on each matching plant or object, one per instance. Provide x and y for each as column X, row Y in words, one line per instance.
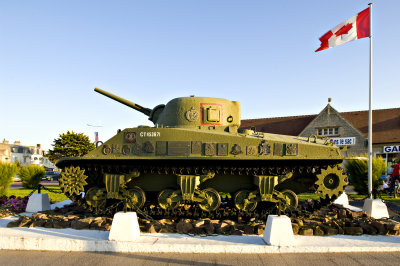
column 344, row 30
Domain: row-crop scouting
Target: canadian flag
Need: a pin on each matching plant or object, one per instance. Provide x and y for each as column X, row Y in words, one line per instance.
column 354, row 28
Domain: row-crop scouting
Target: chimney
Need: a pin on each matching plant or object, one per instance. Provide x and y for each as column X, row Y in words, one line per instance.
column 38, row 146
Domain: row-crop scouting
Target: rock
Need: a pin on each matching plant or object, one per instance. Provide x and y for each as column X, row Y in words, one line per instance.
column 237, row 232
column 38, row 223
column 393, row 233
column 25, row 221
column 166, row 221
column 356, row 215
column 295, row 228
column 248, row 229
column 48, row 224
column 311, row 222
column 223, row 228
column 304, row 231
column 209, row 228
column 368, row 228
column 61, row 224
column 39, row 215
column 318, row 231
column 96, row 225
column 107, row 227
column 380, row 226
column 198, row 223
column 152, row 227
column 340, row 230
column 392, row 226
column 231, row 223
column 206, row 221
column 329, row 231
column 13, row 223
column 342, row 213
column 88, row 220
column 184, row 227
column 72, row 217
column 80, row 224
column 199, row 230
column 355, row 231
column 299, row 222
column 260, row 229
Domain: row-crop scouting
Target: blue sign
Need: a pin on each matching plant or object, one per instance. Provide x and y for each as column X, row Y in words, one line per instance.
column 344, row 141
column 391, row 149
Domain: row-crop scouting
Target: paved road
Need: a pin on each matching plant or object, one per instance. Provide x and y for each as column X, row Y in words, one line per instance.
column 16, row 185
column 85, row 258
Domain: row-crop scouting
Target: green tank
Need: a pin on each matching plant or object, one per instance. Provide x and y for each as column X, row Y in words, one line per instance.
column 197, row 157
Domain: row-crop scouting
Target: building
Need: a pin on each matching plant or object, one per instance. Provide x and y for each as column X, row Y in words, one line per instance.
column 5, row 152
column 25, row 155
column 345, row 129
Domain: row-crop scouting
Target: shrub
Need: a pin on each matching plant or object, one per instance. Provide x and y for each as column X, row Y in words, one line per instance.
column 7, row 172
column 31, row 175
column 358, row 173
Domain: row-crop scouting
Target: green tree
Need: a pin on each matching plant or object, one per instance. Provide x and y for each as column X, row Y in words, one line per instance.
column 7, row 172
column 70, row 144
column 31, row 175
column 358, row 173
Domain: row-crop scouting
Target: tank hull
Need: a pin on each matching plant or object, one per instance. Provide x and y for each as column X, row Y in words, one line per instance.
column 178, row 166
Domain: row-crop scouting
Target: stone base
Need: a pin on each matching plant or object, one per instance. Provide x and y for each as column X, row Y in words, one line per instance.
column 125, row 227
column 278, row 231
column 376, row 208
column 342, row 199
column 38, row 202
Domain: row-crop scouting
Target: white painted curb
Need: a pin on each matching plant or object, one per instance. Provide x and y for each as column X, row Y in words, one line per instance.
column 376, row 208
column 38, row 202
column 125, row 227
column 278, row 231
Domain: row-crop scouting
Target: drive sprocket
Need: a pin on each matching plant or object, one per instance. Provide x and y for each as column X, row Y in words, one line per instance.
column 331, row 181
column 73, row 180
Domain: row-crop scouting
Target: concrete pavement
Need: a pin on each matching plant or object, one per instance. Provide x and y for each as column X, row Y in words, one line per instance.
column 39, row 238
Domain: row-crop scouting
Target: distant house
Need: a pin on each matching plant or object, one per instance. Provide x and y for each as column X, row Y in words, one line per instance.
column 5, row 152
column 346, row 129
column 25, row 155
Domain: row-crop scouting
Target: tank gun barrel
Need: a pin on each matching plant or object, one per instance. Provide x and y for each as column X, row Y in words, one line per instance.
column 135, row 106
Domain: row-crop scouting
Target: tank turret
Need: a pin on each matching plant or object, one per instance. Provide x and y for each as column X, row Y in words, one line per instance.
column 203, row 112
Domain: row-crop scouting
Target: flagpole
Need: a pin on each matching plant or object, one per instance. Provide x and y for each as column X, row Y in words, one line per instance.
column 370, row 107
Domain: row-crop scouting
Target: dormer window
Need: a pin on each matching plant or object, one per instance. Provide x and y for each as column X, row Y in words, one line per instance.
column 330, row 131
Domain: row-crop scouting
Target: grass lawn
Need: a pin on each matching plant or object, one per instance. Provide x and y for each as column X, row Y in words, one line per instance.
column 54, row 197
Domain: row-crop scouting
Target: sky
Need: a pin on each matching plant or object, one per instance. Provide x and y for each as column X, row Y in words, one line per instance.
column 261, row 53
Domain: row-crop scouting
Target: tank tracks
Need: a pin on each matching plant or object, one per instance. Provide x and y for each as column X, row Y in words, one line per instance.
column 329, row 181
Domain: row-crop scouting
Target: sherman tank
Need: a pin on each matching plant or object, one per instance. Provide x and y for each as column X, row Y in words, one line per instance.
column 196, row 157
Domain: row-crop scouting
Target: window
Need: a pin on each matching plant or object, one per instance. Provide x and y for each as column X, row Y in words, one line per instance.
column 331, row 131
